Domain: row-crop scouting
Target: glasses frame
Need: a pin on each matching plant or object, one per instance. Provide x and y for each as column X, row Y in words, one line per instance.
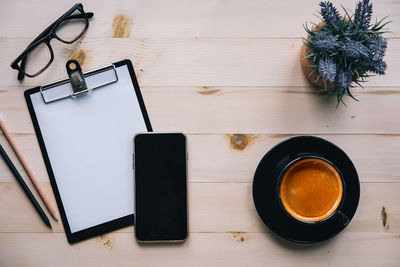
column 46, row 36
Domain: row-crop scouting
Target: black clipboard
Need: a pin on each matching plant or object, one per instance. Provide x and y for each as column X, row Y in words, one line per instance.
column 108, row 226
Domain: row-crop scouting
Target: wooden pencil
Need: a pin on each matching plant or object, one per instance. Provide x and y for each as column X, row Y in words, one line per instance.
column 28, row 169
column 24, row 187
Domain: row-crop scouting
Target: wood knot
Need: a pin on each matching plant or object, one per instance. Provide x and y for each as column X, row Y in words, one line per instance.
column 80, row 56
column 384, row 216
column 241, row 141
column 205, row 90
column 239, row 236
column 106, row 240
column 121, row 25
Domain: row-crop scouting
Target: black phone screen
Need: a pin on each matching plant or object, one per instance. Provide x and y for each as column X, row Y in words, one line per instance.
column 160, row 187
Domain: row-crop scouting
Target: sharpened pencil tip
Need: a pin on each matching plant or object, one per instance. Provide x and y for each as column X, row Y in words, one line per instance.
column 53, row 214
column 47, row 222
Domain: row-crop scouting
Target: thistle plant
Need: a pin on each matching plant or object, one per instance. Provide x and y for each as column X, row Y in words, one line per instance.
column 345, row 50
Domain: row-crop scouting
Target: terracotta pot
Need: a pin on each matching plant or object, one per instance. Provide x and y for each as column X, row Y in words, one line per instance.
column 304, row 62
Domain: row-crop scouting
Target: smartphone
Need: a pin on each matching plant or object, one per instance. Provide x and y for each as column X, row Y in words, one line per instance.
column 160, row 170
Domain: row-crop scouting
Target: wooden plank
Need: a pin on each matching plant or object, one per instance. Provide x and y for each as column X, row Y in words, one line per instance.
column 206, row 249
column 228, row 158
column 187, row 62
column 224, row 158
column 177, row 18
column 216, row 207
column 276, row 110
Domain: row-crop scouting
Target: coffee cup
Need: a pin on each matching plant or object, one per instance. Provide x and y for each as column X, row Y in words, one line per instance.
column 311, row 190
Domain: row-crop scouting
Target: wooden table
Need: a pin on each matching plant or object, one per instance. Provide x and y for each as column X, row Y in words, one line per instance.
column 227, row 74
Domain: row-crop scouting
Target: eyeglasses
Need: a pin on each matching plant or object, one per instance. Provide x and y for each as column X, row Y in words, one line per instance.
column 68, row 28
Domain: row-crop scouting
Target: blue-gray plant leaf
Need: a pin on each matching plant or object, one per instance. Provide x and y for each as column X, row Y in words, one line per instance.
column 378, row 67
column 330, row 14
column 377, row 47
column 324, row 42
column 375, row 66
column 363, row 14
column 327, row 69
column 343, row 78
column 354, row 50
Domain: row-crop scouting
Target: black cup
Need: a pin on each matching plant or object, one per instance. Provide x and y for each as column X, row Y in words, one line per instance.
column 337, row 216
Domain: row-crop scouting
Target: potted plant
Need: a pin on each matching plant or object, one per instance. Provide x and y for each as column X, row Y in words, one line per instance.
column 340, row 52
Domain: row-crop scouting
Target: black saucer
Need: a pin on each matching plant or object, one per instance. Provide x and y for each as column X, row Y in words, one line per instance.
column 265, row 193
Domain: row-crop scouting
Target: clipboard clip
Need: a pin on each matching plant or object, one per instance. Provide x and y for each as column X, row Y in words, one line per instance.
column 76, row 77
column 78, row 82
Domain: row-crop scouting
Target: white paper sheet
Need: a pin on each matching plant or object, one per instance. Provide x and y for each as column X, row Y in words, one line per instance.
column 89, row 144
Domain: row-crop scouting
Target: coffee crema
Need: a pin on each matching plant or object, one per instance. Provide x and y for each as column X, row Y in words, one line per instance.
column 311, row 190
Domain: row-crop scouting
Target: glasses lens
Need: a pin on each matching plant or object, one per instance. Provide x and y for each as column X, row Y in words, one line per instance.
column 38, row 59
column 72, row 27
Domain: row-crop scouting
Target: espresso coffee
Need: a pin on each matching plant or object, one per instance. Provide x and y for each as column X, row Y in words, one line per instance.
column 311, row 190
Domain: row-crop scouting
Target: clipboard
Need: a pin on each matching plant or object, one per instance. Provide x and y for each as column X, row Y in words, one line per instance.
column 86, row 139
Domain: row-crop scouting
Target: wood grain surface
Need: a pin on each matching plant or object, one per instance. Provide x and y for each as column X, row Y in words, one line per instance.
column 227, row 74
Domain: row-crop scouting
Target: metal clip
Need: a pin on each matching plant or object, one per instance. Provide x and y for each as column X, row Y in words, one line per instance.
column 76, row 77
column 77, row 81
